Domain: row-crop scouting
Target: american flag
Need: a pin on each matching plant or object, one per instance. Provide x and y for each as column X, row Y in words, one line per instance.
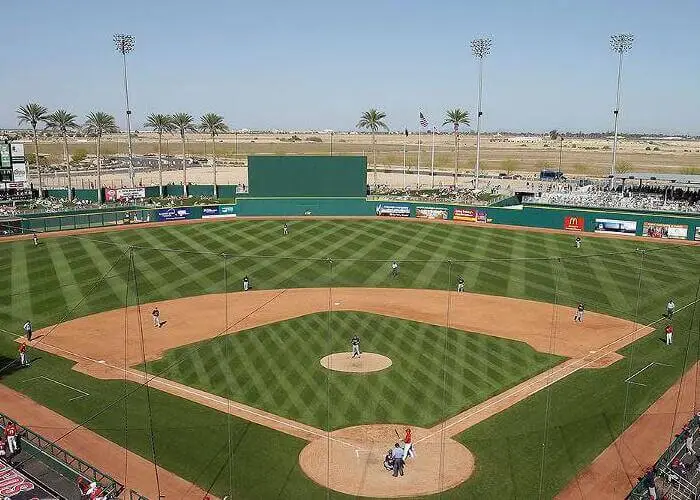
column 423, row 121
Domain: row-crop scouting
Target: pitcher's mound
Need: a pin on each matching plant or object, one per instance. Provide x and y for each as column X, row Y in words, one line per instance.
column 344, row 362
column 351, row 461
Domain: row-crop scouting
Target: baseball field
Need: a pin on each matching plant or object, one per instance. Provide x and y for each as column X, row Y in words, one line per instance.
column 508, row 397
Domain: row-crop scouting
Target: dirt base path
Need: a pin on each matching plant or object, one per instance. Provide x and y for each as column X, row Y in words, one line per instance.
column 128, row 468
column 615, row 471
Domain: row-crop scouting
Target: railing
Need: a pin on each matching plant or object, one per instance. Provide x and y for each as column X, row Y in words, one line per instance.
column 65, row 459
column 135, row 495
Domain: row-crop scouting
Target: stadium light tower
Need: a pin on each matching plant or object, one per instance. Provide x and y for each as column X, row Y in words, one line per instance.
column 481, row 47
column 620, row 43
column 125, row 44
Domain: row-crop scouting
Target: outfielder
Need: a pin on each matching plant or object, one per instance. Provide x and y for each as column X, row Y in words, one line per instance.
column 578, row 242
column 670, row 308
column 35, row 239
column 669, row 334
column 285, row 229
column 579, row 313
column 394, row 269
column 156, row 318
column 460, row 284
column 408, row 446
column 246, row 284
column 355, row 342
column 28, row 330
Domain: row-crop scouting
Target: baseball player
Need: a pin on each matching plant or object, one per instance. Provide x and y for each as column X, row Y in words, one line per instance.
column 156, row 318
column 23, row 354
column 579, row 313
column 35, row 239
column 355, row 342
column 28, row 330
column 246, row 284
column 669, row 334
column 408, row 446
column 11, row 436
column 670, row 308
column 285, row 229
column 578, row 242
column 460, row 284
column 389, row 461
column 394, row 269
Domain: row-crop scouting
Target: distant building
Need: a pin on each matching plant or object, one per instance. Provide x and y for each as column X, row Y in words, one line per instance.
column 525, row 138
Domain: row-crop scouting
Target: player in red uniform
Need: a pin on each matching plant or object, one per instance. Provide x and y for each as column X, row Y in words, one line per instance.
column 23, row 354
column 408, row 446
column 11, row 436
column 669, row 334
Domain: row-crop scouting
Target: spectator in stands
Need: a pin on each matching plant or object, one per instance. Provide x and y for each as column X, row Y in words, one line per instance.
column 689, row 442
column 649, row 483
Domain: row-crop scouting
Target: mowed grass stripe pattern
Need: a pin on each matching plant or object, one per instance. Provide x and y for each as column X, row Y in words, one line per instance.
column 276, row 368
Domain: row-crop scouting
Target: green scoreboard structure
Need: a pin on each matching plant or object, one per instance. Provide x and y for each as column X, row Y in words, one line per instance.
column 307, row 176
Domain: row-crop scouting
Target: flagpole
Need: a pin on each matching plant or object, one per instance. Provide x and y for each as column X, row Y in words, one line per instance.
column 432, row 162
column 404, row 159
column 418, row 186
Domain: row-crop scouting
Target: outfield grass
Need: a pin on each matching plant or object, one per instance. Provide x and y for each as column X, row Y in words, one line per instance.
column 62, row 279
column 276, row 368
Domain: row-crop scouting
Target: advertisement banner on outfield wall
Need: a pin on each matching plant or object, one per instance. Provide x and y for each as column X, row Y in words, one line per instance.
column 168, row 214
column 670, row 231
column 574, row 223
column 697, row 234
column 125, row 194
column 218, row 211
column 431, row 213
column 469, row 215
column 624, row 227
column 393, row 210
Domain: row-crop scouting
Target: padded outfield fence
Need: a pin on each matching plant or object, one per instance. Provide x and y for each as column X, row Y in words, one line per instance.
column 226, row 356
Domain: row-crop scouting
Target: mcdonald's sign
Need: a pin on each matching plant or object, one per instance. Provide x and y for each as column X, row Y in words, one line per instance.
column 573, row 223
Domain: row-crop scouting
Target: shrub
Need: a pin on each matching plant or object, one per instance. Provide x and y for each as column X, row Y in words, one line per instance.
column 314, row 138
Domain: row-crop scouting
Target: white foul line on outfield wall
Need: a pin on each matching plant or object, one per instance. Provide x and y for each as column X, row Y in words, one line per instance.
column 83, row 393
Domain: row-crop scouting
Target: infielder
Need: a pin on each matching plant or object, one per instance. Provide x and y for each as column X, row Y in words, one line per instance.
column 669, row 334
column 394, row 269
column 23, row 354
column 579, row 313
column 355, row 343
column 28, row 330
column 246, row 284
column 285, row 229
column 670, row 308
column 460, row 284
column 408, row 446
column 156, row 318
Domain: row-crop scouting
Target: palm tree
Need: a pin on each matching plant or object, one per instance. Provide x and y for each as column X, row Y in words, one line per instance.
column 456, row 117
column 99, row 123
column 213, row 124
column 372, row 120
column 62, row 121
column 183, row 123
column 161, row 124
column 32, row 114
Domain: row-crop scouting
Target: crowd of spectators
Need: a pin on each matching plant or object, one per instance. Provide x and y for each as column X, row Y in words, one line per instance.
column 656, row 198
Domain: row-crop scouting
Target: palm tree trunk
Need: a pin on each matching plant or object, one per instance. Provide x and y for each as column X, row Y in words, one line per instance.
column 36, row 157
column 67, row 158
column 374, row 159
column 213, row 162
column 99, row 170
column 455, row 160
column 184, row 168
column 160, row 164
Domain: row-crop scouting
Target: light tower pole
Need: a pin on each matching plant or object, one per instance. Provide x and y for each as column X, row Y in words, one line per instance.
column 125, row 44
column 481, row 47
column 620, row 43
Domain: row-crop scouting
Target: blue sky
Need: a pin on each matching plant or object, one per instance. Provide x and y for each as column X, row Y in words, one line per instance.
column 315, row 64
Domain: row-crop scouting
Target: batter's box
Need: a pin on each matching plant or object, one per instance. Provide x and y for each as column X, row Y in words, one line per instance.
column 630, row 379
column 74, row 392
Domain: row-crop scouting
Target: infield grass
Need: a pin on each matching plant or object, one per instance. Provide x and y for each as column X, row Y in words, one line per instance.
column 74, row 276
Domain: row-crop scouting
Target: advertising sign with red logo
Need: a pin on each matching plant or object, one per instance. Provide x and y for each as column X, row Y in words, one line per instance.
column 574, row 223
column 469, row 215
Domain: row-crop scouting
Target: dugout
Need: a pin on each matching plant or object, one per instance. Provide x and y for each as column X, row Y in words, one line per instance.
column 307, row 176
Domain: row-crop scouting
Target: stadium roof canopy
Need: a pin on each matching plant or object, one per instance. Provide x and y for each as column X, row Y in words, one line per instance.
column 670, row 178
